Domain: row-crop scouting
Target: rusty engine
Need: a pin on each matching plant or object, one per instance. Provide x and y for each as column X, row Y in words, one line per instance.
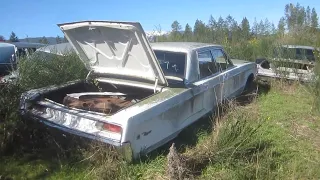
column 98, row 103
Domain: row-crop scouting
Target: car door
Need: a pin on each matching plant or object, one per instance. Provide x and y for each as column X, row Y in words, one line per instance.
column 209, row 79
column 228, row 83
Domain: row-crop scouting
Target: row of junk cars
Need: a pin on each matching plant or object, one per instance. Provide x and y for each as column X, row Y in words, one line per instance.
column 292, row 62
column 144, row 93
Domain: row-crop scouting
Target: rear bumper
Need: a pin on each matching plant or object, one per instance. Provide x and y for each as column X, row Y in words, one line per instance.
column 124, row 148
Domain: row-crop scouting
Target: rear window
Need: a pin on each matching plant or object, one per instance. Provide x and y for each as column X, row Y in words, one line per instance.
column 295, row 53
column 172, row 63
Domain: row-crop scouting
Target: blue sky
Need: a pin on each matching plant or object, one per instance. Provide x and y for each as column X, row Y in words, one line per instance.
column 39, row 17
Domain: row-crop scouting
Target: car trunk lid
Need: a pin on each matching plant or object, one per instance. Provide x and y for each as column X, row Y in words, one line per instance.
column 115, row 49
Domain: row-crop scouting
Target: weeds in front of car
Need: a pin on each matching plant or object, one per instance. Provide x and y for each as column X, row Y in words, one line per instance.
column 9, row 124
column 36, row 71
column 44, row 69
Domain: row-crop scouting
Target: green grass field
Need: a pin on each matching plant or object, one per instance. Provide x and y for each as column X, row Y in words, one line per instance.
column 275, row 136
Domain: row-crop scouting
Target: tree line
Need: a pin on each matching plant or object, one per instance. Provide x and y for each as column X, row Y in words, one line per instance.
column 14, row 38
column 296, row 19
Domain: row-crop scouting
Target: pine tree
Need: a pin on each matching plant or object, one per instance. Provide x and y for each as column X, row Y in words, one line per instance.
column 200, row 31
column 197, row 27
column 255, row 28
column 212, row 28
column 58, row 40
column 13, row 37
column 314, row 18
column 297, row 17
column 273, row 29
column 27, row 38
column 187, row 35
column 267, row 27
column 245, row 28
column 281, row 26
column 175, row 30
column 231, row 23
column 212, row 23
column 176, row 27
column 301, row 16
column 43, row 40
column 221, row 30
column 65, row 40
column 308, row 16
column 291, row 14
column 2, row 39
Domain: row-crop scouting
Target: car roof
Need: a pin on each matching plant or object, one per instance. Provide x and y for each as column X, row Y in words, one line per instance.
column 4, row 44
column 298, row 46
column 27, row 44
column 169, row 46
column 57, row 48
column 181, row 46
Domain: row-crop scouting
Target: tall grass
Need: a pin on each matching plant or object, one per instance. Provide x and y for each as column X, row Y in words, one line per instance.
column 316, row 84
column 235, row 142
column 252, row 49
column 36, row 71
column 9, row 118
column 236, row 145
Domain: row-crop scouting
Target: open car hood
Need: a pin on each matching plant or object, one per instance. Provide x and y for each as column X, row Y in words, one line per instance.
column 117, row 49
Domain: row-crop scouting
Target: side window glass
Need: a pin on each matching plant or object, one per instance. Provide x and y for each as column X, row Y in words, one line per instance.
column 206, row 65
column 220, row 59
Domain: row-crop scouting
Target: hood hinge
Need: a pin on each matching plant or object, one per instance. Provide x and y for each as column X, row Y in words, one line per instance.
column 155, row 85
column 87, row 77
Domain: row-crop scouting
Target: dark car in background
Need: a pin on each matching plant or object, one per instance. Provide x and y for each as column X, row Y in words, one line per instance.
column 8, row 58
column 47, row 51
column 292, row 62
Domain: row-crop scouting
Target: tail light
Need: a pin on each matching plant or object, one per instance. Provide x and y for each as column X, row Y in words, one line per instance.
column 112, row 128
column 109, row 127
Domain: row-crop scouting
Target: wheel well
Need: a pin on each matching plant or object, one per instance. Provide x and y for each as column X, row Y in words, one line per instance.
column 249, row 81
column 249, row 84
column 250, row 78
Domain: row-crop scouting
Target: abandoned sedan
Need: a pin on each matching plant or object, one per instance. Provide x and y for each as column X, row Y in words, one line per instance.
column 143, row 95
column 291, row 62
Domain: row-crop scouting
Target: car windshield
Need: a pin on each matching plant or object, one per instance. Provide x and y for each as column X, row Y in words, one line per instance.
column 172, row 63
